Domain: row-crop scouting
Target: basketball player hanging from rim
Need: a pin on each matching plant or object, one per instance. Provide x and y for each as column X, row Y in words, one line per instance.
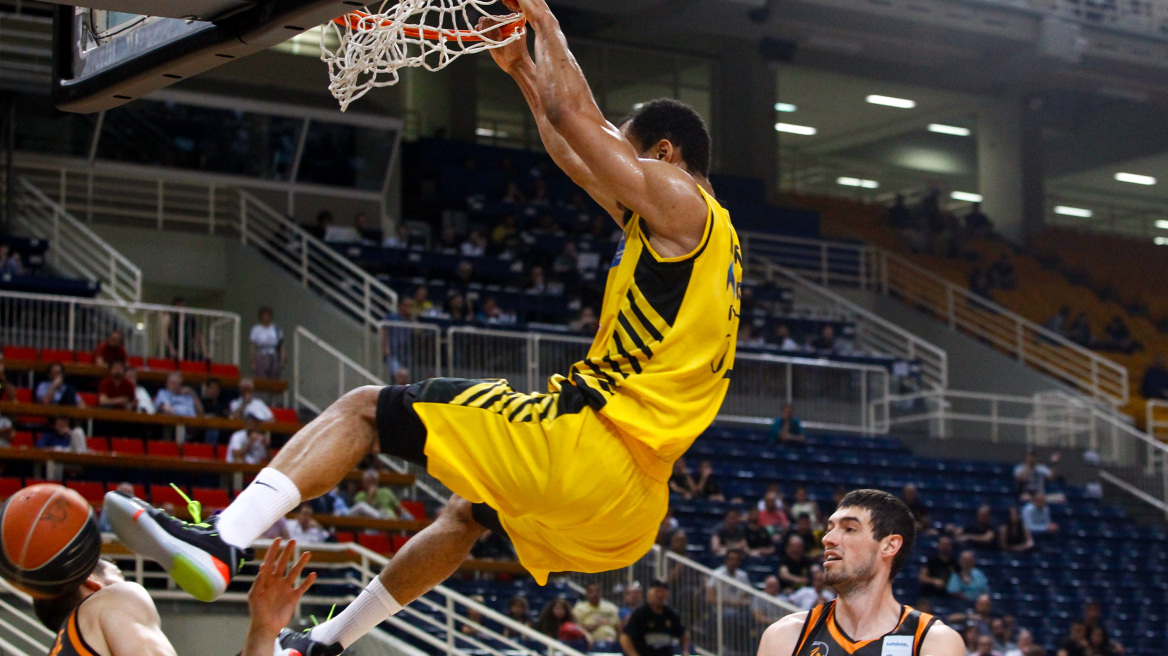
column 576, row 478
column 869, row 537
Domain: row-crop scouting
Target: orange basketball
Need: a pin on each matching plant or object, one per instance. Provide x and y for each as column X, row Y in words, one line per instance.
column 49, row 540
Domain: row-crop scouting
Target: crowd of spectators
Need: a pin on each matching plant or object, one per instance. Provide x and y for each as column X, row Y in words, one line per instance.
column 1115, row 337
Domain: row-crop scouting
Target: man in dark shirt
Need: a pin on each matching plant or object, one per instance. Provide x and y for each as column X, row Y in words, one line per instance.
column 110, row 349
column 982, row 534
column 652, row 628
column 114, row 391
column 729, row 535
column 794, row 566
column 934, row 576
column 803, row 529
column 758, row 540
column 1155, row 384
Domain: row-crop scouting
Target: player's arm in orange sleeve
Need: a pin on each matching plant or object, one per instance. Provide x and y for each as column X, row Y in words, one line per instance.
column 782, row 637
column 661, row 193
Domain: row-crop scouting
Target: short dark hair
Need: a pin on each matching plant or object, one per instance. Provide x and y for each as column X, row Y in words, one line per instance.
column 53, row 611
column 680, row 124
column 890, row 516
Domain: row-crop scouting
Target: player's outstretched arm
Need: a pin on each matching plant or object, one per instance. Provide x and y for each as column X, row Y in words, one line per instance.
column 781, row 638
column 941, row 640
column 273, row 597
column 130, row 623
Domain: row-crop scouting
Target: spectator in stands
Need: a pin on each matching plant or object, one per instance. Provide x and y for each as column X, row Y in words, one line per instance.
column 178, row 399
column 564, row 266
column 786, row 427
column 1001, row 273
column 1058, row 323
column 493, row 315
column 803, row 505
column 396, row 341
column 652, row 628
column 826, row 340
column 1033, row 477
column 7, row 432
column 475, row 245
column 939, row 569
column 557, row 621
column 7, row 387
column 979, row 284
column 899, row 215
column 519, row 611
column 267, row 347
column 536, row 283
column 142, row 398
column 62, row 436
column 368, row 228
column 747, row 302
column 10, row 264
column 1036, row 516
column 373, row 500
column 818, row 592
column 762, row 609
column 1003, row 642
column 1155, row 383
column 324, row 219
column 504, row 232
column 1098, row 644
column 586, row 323
column 513, row 195
column 985, row 646
column 706, row 484
column 634, row 598
column 457, row 309
column 54, row 390
column 772, row 516
column 912, row 499
column 248, row 403
column 249, row 444
column 735, row 601
column 1014, row 534
column 982, row 534
column 794, row 565
column 729, row 535
column 667, row 527
column 969, row 580
column 332, row 502
column 114, row 392
column 448, row 241
column 977, row 224
column 110, row 349
column 597, row 615
column 400, row 237
column 759, row 543
column 211, row 395
column 982, row 614
column 1093, row 617
column 422, row 303
column 1080, row 333
column 746, row 336
column 806, row 532
column 783, row 339
column 1023, row 646
column 303, row 528
column 1076, row 643
column 1117, row 337
column 681, row 481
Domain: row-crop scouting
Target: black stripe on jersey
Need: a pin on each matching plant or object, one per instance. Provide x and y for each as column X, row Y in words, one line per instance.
column 637, row 341
column 479, row 394
column 603, row 375
column 663, row 284
column 615, row 367
column 595, row 399
column 620, row 347
column 519, row 408
column 649, row 327
column 493, row 399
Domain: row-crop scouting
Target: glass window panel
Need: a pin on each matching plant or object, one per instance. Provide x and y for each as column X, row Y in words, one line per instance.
column 346, row 155
column 699, row 99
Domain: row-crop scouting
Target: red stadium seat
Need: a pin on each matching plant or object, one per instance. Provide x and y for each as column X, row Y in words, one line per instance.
column 194, row 450
column 224, row 370
column 93, row 492
column 84, row 357
column 211, row 497
column 415, row 508
column 139, row 490
column 160, row 494
column 23, row 395
column 88, row 398
column 54, row 355
column 285, row 415
column 378, row 542
column 99, row 444
column 129, row 446
column 160, row 364
column 23, row 440
column 9, row 485
column 20, row 353
column 136, row 361
column 192, row 366
column 162, row 449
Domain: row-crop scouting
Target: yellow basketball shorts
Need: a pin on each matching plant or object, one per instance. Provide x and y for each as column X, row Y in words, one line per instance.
column 567, row 490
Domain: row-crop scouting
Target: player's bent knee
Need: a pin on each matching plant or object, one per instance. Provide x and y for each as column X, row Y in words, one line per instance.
column 361, row 401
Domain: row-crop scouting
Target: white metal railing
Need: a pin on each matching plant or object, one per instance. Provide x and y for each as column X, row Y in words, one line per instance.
column 20, row 626
column 409, row 351
column 873, row 332
column 1130, row 459
column 1156, row 419
column 435, row 619
column 78, row 324
column 74, row 248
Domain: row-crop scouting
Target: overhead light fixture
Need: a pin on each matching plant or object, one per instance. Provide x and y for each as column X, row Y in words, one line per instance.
column 1074, row 211
column 1135, row 178
column 954, row 130
column 488, row 132
column 966, row 196
column 858, row 182
column 796, row 129
column 889, row 101
column 1161, row 241
column 785, row 107
column 1162, row 224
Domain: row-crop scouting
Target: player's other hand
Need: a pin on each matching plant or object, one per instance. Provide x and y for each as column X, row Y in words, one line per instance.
column 511, row 56
column 273, row 597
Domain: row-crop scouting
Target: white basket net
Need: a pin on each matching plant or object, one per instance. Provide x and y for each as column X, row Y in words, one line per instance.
column 428, row 34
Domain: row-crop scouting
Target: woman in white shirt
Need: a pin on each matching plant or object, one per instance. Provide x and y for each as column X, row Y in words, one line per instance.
column 267, row 347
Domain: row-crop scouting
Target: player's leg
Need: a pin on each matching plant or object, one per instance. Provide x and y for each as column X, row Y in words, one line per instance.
column 425, row 561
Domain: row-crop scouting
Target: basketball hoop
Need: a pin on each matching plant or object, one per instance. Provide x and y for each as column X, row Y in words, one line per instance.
column 427, row 34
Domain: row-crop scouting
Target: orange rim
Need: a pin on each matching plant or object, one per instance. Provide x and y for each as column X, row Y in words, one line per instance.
column 360, row 20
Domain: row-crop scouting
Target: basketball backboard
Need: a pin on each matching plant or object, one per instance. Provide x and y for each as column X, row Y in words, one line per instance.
column 104, row 56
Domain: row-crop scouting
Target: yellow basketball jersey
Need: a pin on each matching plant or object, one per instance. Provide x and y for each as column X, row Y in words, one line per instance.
column 660, row 365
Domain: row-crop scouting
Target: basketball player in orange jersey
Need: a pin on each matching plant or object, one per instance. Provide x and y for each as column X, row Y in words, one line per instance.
column 109, row 616
column 576, row 477
column 868, row 539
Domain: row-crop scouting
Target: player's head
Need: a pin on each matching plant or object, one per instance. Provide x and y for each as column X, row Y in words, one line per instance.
column 868, row 539
column 54, row 611
column 670, row 130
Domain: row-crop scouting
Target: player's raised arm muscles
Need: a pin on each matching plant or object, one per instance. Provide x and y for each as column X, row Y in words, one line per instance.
column 942, row 641
column 130, row 623
column 782, row 637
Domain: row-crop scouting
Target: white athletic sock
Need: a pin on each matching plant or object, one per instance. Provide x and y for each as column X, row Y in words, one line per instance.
column 269, row 497
column 372, row 607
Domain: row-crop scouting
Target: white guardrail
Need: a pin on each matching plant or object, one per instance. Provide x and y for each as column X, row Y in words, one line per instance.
column 875, row 269
column 21, row 633
column 74, row 249
column 1126, row 457
column 151, row 331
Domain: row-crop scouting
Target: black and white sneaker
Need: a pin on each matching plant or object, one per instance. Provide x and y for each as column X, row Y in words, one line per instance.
column 194, row 555
column 293, row 643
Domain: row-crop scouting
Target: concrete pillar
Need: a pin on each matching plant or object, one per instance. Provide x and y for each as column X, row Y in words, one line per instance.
column 1010, row 167
column 743, row 123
